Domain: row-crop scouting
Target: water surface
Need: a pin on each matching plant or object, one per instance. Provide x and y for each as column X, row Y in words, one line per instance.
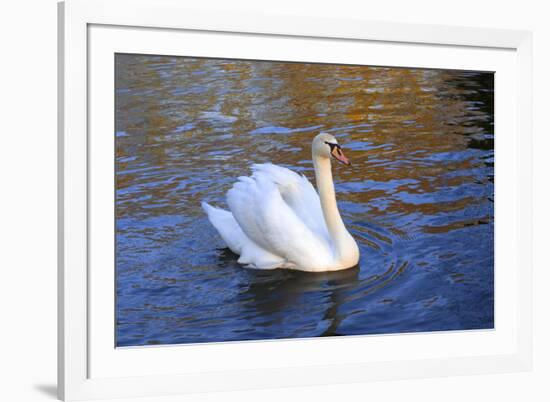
column 418, row 198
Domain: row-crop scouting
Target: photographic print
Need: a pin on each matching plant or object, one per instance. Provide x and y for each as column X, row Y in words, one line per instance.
column 260, row 200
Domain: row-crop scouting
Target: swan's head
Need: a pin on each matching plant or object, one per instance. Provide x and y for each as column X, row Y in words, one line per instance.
column 326, row 146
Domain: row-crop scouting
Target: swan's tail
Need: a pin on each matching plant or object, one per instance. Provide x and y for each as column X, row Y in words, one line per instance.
column 225, row 224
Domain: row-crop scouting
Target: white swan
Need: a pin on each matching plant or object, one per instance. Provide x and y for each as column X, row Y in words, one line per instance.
column 278, row 220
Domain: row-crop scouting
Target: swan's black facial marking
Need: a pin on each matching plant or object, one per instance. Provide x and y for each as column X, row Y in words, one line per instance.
column 335, row 149
column 337, row 153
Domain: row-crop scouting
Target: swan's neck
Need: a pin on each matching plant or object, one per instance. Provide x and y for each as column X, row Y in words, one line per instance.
column 337, row 231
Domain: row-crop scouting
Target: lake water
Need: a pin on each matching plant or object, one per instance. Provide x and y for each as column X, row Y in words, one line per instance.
column 418, row 198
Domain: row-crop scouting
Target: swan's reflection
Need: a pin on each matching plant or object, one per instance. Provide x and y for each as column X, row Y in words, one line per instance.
column 270, row 294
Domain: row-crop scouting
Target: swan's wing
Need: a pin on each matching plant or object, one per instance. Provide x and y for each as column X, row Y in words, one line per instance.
column 267, row 219
column 298, row 193
column 250, row 254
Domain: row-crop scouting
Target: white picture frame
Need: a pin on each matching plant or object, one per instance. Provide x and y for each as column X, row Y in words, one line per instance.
column 89, row 365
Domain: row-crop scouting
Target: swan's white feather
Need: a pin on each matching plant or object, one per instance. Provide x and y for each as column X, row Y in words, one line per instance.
column 261, row 206
column 299, row 194
column 249, row 253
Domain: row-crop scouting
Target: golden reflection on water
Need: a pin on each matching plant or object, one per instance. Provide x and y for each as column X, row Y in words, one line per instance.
column 390, row 120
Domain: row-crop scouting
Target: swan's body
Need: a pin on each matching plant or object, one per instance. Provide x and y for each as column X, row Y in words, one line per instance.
column 278, row 220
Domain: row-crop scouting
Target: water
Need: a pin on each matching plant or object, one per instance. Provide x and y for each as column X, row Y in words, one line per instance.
column 418, row 198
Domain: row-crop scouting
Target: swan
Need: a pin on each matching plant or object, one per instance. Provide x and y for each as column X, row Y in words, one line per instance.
column 277, row 219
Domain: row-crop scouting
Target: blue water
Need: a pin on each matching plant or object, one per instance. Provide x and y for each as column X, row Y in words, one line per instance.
column 419, row 198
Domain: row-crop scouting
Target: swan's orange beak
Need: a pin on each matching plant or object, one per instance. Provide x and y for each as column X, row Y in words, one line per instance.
column 338, row 154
